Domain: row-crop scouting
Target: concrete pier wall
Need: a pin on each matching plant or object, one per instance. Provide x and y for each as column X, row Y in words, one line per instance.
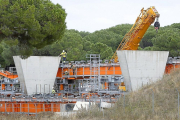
column 141, row 67
column 37, row 74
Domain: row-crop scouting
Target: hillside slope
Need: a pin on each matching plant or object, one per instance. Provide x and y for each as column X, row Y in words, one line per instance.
column 156, row 101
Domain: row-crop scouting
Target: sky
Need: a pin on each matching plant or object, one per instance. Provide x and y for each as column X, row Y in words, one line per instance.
column 92, row 15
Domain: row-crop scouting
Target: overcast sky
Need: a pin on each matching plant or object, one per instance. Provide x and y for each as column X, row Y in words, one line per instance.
column 92, row 15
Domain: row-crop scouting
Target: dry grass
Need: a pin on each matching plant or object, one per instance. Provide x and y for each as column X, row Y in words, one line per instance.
column 40, row 116
column 137, row 105
column 162, row 96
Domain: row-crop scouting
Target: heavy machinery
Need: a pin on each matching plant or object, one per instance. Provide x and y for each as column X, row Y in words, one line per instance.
column 130, row 42
column 132, row 39
column 92, row 80
column 98, row 75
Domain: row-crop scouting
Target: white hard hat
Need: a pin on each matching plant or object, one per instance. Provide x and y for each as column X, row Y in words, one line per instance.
column 63, row 50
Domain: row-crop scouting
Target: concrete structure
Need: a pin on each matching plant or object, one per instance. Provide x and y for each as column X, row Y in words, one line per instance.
column 79, row 105
column 37, row 73
column 141, row 67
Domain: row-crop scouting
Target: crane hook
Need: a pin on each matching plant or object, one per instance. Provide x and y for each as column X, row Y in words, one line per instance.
column 156, row 25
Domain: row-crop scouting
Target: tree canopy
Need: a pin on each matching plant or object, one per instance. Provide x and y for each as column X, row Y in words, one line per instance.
column 168, row 39
column 104, row 42
column 29, row 24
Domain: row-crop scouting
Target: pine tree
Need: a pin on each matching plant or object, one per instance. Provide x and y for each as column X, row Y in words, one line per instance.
column 31, row 24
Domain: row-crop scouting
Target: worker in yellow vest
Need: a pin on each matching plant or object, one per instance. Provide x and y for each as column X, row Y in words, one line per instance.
column 53, row 91
column 63, row 54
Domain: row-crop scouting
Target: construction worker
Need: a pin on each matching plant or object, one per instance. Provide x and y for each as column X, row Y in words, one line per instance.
column 73, row 67
column 53, row 91
column 66, row 72
column 63, row 54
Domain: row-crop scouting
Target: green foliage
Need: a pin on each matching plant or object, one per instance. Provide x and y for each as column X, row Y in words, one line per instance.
column 102, row 49
column 86, row 45
column 30, row 24
column 106, row 37
column 83, row 33
column 104, row 42
column 72, row 43
column 42, row 52
column 176, row 25
column 139, row 48
column 7, row 54
column 2, row 61
column 37, row 27
column 168, row 39
column 148, row 48
column 147, row 39
column 121, row 29
column 1, row 49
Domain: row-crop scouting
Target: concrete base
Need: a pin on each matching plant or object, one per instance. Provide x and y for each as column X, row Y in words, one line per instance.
column 141, row 67
column 37, row 73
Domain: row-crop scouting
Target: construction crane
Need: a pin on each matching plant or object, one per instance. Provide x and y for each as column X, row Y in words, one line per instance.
column 133, row 37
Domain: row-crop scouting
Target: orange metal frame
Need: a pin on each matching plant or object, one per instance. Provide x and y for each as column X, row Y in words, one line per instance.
column 29, row 107
column 8, row 74
column 170, row 67
column 36, row 107
column 104, row 70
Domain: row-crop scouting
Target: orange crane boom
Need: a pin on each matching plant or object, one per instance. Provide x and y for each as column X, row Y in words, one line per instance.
column 133, row 37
